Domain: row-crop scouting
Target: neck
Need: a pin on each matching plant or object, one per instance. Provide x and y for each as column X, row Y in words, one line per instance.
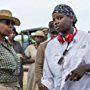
column 68, row 31
column 36, row 46
column 1, row 38
column 10, row 40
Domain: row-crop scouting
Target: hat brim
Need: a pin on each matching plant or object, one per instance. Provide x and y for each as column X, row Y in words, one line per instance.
column 15, row 20
column 37, row 35
column 33, row 36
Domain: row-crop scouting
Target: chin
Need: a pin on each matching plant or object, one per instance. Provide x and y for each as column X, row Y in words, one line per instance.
column 6, row 34
column 63, row 31
column 59, row 30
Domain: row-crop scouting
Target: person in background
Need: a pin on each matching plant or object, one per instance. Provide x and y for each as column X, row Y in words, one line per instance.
column 9, row 61
column 30, row 52
column 16, row 45
column 45, row 31
column 19, row 50
column 67, row 57
column 40, row 55
column 52, row 31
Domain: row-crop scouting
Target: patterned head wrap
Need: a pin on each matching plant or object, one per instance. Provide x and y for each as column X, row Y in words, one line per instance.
column 65, row 10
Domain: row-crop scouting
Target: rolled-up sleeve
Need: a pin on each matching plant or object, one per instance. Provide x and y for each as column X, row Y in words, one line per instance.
column 47, row 79
column 27, row 51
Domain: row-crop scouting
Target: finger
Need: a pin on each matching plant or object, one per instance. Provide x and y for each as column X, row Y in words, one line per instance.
column 72, row 76
column 78, row 77
column 68, row 76
column 75, row 78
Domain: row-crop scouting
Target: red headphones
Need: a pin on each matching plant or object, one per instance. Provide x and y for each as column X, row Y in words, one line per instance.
column 69, row 37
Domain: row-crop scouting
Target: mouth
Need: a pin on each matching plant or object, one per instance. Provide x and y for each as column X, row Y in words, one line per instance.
column 57, row 28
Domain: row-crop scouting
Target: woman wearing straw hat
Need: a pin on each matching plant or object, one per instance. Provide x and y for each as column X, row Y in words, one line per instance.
column 9, row 63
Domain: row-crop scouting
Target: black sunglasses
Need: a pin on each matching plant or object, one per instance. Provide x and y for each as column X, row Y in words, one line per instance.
column 62, row 57
column 7, row 22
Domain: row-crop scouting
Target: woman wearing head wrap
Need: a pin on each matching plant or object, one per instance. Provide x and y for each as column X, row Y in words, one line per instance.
column 67, row 59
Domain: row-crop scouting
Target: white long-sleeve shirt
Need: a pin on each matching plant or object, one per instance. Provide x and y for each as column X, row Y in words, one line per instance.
column 54, row 74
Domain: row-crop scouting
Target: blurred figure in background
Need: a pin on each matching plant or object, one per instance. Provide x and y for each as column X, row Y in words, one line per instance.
column 9, row 61
column 53, row 33
column 40, row 56
column 45, row 31
column 30, row 52
column 19, row 50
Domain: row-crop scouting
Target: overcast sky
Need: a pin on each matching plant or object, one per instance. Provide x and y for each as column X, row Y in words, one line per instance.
column 37, row 13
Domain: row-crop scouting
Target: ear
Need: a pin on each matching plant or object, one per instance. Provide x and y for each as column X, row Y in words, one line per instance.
column 72, row 18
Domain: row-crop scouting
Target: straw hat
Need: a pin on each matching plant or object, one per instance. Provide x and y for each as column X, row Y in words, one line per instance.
column 45, row 29
column 39, row 33
column 6, row 14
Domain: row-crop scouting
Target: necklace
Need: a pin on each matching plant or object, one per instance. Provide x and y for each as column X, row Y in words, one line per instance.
column 69, row 46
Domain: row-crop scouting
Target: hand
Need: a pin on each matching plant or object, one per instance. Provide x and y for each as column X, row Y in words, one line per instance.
column 76, row 74
column 5, row 30
column 40, row 88
column 45, row 88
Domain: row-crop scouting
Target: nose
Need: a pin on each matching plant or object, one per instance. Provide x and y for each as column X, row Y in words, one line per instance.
column 10, row 26
column 56, row 22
